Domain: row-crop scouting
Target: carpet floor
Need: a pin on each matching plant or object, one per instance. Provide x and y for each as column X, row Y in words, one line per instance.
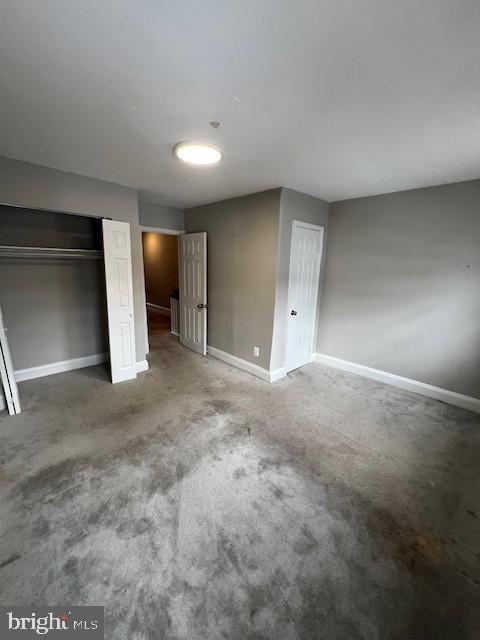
column 158, row 324
column 199, row 502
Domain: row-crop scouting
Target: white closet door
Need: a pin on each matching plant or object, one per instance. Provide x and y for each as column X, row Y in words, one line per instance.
column 305, row 260
column 193, row 291
column 7, row 375
column 118, row 277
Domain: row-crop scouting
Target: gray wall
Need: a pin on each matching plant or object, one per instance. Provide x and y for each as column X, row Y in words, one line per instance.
column 37, row 187
column 402, row 288
column 54, row 311
column 293, row 206
column 160, row 216
column 242, row 239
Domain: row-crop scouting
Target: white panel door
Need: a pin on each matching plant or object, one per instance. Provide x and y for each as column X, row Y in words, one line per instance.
column 118, row 277
column 7, row 375
column 193, row 291
column 305, row 260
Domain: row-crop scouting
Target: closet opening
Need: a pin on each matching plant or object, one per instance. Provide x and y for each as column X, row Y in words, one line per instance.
column 52, row 291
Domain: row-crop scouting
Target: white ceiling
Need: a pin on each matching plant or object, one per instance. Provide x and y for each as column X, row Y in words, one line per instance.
column 336, row 98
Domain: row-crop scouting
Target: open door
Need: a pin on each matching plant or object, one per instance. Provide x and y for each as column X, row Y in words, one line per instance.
column 7, row 376
column 193, row 291
column 118, row 278
column 305, row 261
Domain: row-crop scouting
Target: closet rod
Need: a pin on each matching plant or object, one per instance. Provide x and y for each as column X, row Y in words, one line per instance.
column 7, row 251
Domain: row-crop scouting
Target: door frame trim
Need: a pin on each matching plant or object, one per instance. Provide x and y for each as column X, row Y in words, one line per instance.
column 165, row 232
column 314, row 227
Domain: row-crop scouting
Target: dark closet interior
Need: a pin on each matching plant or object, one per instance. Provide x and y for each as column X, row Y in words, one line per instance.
column 52, row 286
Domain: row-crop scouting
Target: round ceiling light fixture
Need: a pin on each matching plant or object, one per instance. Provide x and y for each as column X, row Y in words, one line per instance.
column 197, row 153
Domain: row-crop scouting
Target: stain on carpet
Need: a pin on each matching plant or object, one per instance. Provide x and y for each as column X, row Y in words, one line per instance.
column 410, row 547
column 12, row 558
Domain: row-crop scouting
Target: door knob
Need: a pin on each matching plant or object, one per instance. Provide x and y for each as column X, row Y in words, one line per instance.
column 293, row 312
column 201, row 306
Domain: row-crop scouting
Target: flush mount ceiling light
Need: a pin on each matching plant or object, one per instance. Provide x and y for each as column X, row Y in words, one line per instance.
column 197, row 153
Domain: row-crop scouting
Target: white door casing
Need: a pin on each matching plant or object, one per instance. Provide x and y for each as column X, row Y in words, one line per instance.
column 304, row 277
column 7, row 375
column 118, row 278
column 193, row 291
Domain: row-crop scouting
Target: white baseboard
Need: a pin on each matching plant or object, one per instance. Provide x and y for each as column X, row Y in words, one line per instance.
column 175, row 333
column 59, row 367
column 66, row 365
column 450, row 397
column 277, row 374
column 254, row 369
column 3, row 404
column 158, row 308
column 142, row 365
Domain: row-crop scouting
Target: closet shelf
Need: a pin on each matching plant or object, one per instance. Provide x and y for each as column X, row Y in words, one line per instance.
column 7, row 251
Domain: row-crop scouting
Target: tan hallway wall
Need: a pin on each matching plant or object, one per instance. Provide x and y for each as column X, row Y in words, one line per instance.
column 160, row 260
